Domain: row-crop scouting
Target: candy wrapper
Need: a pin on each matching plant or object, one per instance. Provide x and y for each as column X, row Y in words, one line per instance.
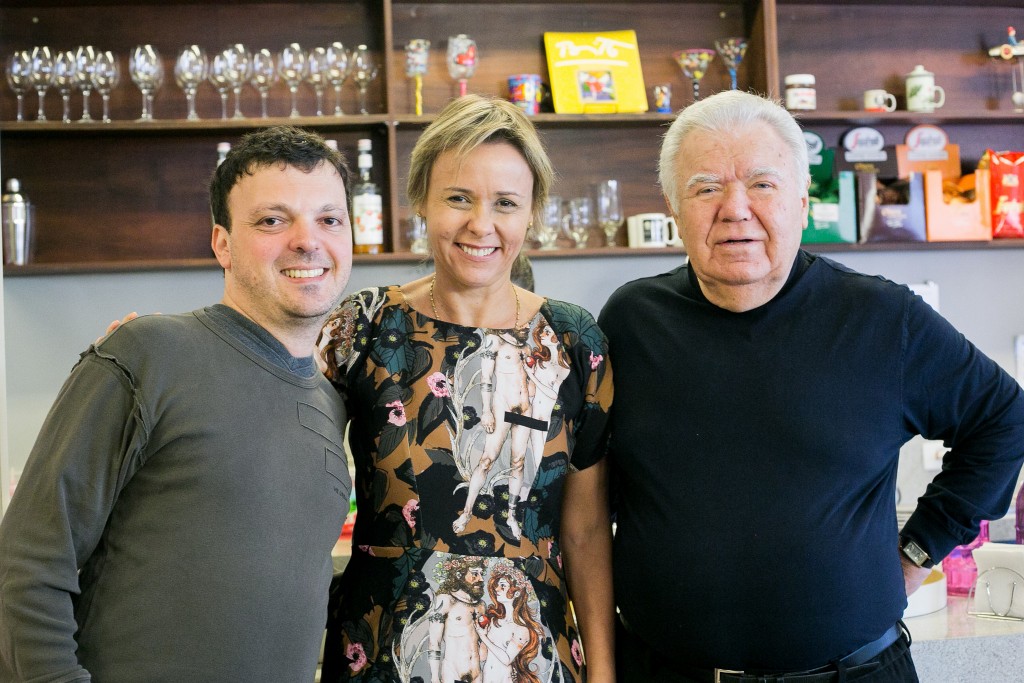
column 1007, row 170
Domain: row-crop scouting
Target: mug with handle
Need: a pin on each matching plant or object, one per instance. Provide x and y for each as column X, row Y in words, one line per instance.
column 922, row 93
column 879, row 100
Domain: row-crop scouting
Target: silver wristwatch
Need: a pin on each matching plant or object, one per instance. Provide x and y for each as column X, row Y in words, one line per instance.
column 915, row 553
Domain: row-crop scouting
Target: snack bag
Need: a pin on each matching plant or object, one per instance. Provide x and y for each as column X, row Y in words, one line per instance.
column 1007, row 169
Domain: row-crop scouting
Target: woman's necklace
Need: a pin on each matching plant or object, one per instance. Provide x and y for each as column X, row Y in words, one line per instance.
column 433, row 305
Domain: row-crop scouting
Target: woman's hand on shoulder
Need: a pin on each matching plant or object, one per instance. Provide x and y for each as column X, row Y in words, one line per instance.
column 116, row 324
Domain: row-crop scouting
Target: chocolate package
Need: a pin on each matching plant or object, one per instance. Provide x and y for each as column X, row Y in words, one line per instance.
column 1007, row 173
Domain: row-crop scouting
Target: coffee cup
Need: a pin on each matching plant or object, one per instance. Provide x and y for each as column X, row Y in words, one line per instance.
column 525, row 91
column 922, row 93
column 651, row 230
column 879, row 100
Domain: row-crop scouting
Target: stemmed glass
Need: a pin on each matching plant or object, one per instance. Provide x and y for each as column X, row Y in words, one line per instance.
column 694, row 64
column 416, row 53
column 191, row 68
column 581, row 218
column 291, row 65
column 547, row 231
column 106, row 74
column 609, row 209
column 64, row 80
column 338, row 67
column 264, row 75
column 41, row 76
column 363, row 71
column 239, row 70
column 220, row 77
column 316, row 75
column 85, row 61
column 19, row 65
column 147, row 72
column 461, row 57
column 732, row 51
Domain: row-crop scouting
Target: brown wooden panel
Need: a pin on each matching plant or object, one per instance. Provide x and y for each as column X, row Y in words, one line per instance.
column 510, row 40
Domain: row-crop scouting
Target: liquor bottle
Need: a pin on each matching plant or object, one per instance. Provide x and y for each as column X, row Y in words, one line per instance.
column 222, row 151
column 367, row 223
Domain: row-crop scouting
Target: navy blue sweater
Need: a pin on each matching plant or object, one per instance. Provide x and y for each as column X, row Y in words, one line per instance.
column 756, row 453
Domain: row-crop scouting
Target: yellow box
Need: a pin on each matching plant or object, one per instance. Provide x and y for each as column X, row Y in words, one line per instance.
column 595, row 73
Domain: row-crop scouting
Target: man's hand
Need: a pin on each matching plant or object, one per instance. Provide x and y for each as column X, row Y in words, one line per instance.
column 913, row 576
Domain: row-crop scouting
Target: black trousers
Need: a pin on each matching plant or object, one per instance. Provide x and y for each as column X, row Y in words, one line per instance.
column 638, row 663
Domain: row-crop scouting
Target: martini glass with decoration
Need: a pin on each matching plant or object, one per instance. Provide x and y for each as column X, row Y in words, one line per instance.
column 694, row 64
column 732, row 51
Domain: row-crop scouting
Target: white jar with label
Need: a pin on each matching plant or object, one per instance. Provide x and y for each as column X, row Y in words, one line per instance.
column 800, row 92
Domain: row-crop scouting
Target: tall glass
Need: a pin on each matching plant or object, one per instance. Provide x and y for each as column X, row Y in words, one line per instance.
column 220, row 78
column 732, row 50
column 363, row 71
column 609, row 209
column 41, row 76
column 239, row 70
column 581, row 219
column 85, row 62
column 291, row 65
column 461, row 57
column 19, row 66
column 191, row 68
column 547, row 232
column 316, row 75
column 339, row 65
column 264, row 75
column 106, row 74
column 64, row 80
column 146, row 69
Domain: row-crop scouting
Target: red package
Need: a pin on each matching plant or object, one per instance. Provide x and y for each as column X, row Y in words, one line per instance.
column 1007, row 170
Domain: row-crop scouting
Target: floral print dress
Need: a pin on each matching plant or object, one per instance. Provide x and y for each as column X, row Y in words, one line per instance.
column 462, row 439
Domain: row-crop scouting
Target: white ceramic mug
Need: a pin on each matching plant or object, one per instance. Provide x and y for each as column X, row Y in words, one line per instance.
column 922, row 93
column 879, row 100
column 651, row 230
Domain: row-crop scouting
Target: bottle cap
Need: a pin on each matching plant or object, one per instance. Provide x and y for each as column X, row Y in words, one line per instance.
column 365, row 144
column 13, row 185
column 799, row 79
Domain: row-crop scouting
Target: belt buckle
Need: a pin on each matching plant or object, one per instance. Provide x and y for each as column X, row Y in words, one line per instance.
column 730, row 672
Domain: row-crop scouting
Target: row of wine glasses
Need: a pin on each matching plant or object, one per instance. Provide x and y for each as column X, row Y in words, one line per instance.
column 694, row 62
column 84, row 69
column 576, row 217
column 231, row 69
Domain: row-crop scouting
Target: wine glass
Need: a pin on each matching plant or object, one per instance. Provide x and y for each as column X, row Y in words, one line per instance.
column 239, row 61
column 41, row 76
column 416, row 54
column 551, row 225
column 338, row 67
column 694, row 64
column 418, row 235
column 291, row 65
column 581, row 218
column 264, row 75
column 191, row 68
column 461, row 57
column 220, row 77
column 64, row 80
column 106, row 74
column 19, row 65
column 85, row 61
column 147, row 72
column 732, row 51
column 609, row 209
column 316, row 75
column 363, row 71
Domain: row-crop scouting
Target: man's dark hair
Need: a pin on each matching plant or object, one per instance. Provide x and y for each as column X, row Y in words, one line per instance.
column 276, row 145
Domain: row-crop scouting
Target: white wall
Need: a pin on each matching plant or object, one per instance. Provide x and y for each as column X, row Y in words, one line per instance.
column 51, row 319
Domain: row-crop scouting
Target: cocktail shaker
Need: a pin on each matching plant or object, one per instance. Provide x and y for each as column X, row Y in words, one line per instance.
column 17, row 224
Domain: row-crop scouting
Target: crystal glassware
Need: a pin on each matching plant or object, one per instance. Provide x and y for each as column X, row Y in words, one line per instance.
column 291, row 65
column 581, row 219
column 316, row 75
column 732, row 50
column 694, row 64
column 85, row 62
column 19, row 65
column 239, row 61
column 106, row 74
column 418, row 235
column 609, row 209
column 220, row 78
column 338, row 67
column 191, row 68
column 461, row 58
column 146, row 69
column 551, row 225
column 64, row 80
column 416, row 52
column 363, row 71
column 264, row 75
column 41, row 76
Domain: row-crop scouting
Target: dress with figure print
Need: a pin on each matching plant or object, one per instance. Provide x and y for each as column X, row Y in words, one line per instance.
column 462, row 439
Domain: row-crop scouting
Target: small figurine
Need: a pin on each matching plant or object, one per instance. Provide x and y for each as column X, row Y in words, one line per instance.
column 1013, row 50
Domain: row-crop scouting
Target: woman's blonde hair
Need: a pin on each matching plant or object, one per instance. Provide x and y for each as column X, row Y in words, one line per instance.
column 465, row 124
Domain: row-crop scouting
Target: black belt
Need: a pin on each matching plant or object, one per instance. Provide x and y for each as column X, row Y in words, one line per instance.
column 858, row 657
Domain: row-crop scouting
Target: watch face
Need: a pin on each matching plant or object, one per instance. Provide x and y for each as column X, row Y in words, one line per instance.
column 915, row 553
